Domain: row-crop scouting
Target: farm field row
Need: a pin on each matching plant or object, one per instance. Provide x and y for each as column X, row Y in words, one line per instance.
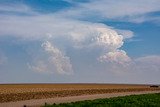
column 41, row 91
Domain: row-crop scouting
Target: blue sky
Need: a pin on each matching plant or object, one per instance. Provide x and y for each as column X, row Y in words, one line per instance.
column 97, row 41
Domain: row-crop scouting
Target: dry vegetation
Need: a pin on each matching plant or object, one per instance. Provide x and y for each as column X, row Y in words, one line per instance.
column 16, row 92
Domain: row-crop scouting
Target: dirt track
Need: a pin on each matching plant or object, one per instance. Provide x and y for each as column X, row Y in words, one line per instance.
column 40, row 102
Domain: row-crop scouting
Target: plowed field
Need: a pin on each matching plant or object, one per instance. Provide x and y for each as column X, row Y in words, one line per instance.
column 17, row 92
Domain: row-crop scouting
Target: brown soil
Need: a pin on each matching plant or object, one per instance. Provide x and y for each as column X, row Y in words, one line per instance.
column 64, row 91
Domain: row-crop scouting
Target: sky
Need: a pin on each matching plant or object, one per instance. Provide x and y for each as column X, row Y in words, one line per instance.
column 80, row 41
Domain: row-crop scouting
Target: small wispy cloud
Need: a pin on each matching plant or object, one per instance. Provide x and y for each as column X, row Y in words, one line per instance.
column 15, row 9
column 121, row 10
column 127, row 34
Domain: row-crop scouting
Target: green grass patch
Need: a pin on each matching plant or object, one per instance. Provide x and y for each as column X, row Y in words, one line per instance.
column 145, row 100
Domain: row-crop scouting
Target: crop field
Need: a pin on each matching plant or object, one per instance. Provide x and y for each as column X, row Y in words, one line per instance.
column 146, row 100
column 17, row 92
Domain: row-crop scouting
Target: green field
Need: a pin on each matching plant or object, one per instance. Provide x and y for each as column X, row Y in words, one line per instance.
column 146, row 100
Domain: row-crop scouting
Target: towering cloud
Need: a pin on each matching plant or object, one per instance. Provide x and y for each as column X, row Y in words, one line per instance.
column 78, row 34
column 108, row 38
column 56, row 62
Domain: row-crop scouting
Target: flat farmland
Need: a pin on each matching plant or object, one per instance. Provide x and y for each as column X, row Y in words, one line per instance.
column 18, row 92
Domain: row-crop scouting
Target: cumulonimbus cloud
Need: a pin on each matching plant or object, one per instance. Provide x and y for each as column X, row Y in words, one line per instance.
column 79, row 34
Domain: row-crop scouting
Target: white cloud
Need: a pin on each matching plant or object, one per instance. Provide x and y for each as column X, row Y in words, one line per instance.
column 126, row 10
column 109, row 38
column 56, row 62
column 119, row 57
column 127, row 34
column 35, row 27
column 39, row 26
column 136, row 70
